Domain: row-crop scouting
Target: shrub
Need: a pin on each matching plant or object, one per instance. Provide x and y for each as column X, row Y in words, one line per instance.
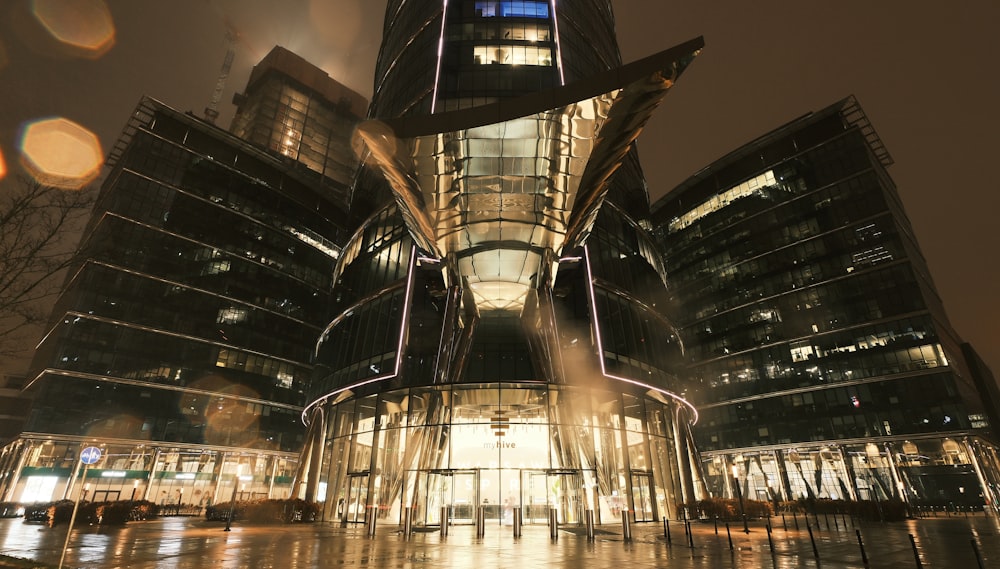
column 265, row 511
column 101, row 513
column 728, row 509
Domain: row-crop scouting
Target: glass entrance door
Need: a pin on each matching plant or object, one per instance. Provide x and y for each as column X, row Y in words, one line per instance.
column 542, row 490
column 535, row 500
column 357, row 499
column 642, row 497
column 456, row 489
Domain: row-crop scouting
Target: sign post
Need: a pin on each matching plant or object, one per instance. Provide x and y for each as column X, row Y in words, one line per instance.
column 88, row 456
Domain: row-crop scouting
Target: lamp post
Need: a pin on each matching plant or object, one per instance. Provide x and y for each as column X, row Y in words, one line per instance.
column 739, row 494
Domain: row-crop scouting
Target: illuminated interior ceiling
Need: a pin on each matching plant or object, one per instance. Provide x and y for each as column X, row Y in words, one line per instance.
column 496, row 186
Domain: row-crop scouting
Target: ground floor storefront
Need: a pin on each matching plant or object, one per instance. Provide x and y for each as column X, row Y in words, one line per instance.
column 44, row 469
column 932, row 471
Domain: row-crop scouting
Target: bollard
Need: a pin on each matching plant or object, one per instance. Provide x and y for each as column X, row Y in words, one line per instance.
column 916, row 553
column 716, row 520
column 626, row 526
column 517, row 521
column 784, row 526
column 407, row 522
column 553, row 523
column 730, row 536
column 666, row 529
column 827, row 518
column 795, row 517
column 770, row 540
column 836, row 524
column 690, row 535
column 444, row 521
column 812, row 539
column 480, row 521
column 589, row 516
column 861, row 544
column 372, row 516
column 979, row 557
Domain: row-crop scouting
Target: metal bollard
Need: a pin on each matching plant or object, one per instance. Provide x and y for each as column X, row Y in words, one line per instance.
column 812, row 539
column 770, row 540
column 690, row 535
column 729, row 536
column 861, row 544
column 979, row 557
column 589, row 516
column 666, row 529
column 626, row 526
column 517, row 521
column 553, row 523
column 480, row 521
column 916, row 553
column 407, row 522
column 372, row 516
column 444, row 521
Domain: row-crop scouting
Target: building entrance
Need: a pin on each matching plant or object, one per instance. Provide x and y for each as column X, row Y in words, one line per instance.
column 543, row 490
column 642, row 497
column 357, row 499
column 458, row 490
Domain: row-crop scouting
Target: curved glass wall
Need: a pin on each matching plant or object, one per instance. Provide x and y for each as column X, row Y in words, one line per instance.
column 500, row 446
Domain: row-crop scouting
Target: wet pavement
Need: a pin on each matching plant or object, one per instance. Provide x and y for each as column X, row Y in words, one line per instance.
column 182, row 543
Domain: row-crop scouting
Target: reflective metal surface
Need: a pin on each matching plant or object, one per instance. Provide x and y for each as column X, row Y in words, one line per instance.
column 499, row 185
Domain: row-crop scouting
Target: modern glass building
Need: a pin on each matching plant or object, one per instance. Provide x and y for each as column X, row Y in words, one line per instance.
column 493, row 344
column 295, row 109
column 181, row 343
column 823, row 362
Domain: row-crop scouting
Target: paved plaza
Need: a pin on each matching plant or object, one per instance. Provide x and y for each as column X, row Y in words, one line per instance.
column 182, row 543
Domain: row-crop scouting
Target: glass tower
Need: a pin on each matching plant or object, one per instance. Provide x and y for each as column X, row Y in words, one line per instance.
column 823, row 362
column 493, row 344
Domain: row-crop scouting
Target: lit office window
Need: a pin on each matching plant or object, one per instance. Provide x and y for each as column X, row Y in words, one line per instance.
column 512, row 55
column 513, row 9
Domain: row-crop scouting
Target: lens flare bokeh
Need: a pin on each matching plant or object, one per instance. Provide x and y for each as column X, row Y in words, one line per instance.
column 3, row 166
column 60, row 153
column 84, row 27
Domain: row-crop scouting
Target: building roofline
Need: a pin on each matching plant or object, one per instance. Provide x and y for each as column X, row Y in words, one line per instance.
column 848, row 108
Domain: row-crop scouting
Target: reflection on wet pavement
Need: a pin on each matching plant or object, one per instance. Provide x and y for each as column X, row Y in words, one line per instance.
column 182, row 543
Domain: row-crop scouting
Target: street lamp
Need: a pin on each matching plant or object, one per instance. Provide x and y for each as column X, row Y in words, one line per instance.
column 739, row 494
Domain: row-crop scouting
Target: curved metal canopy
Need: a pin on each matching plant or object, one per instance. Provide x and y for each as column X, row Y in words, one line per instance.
column 498, row 185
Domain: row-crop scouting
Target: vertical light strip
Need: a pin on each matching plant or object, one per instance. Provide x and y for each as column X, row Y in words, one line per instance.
column 404, row 323
column 555, row 27
column 437, row 71
column 600, row 346
column 593, row 309
column 405, row 320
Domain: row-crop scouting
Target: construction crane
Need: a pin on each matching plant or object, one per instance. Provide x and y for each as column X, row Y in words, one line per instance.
column 232, row 36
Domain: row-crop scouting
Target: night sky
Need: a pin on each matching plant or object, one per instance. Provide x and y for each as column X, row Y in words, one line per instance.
column 925, row 73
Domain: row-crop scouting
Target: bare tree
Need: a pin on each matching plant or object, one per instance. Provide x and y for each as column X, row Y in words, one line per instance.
column 39, row 230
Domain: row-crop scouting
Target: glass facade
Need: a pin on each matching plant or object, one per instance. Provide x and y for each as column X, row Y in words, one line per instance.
column 493, row 341
column 296, row 110
column 409, row 412
column 181, row 342
column 818, row 353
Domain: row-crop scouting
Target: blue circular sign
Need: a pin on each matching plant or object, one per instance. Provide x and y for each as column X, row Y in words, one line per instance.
column 90, row 455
